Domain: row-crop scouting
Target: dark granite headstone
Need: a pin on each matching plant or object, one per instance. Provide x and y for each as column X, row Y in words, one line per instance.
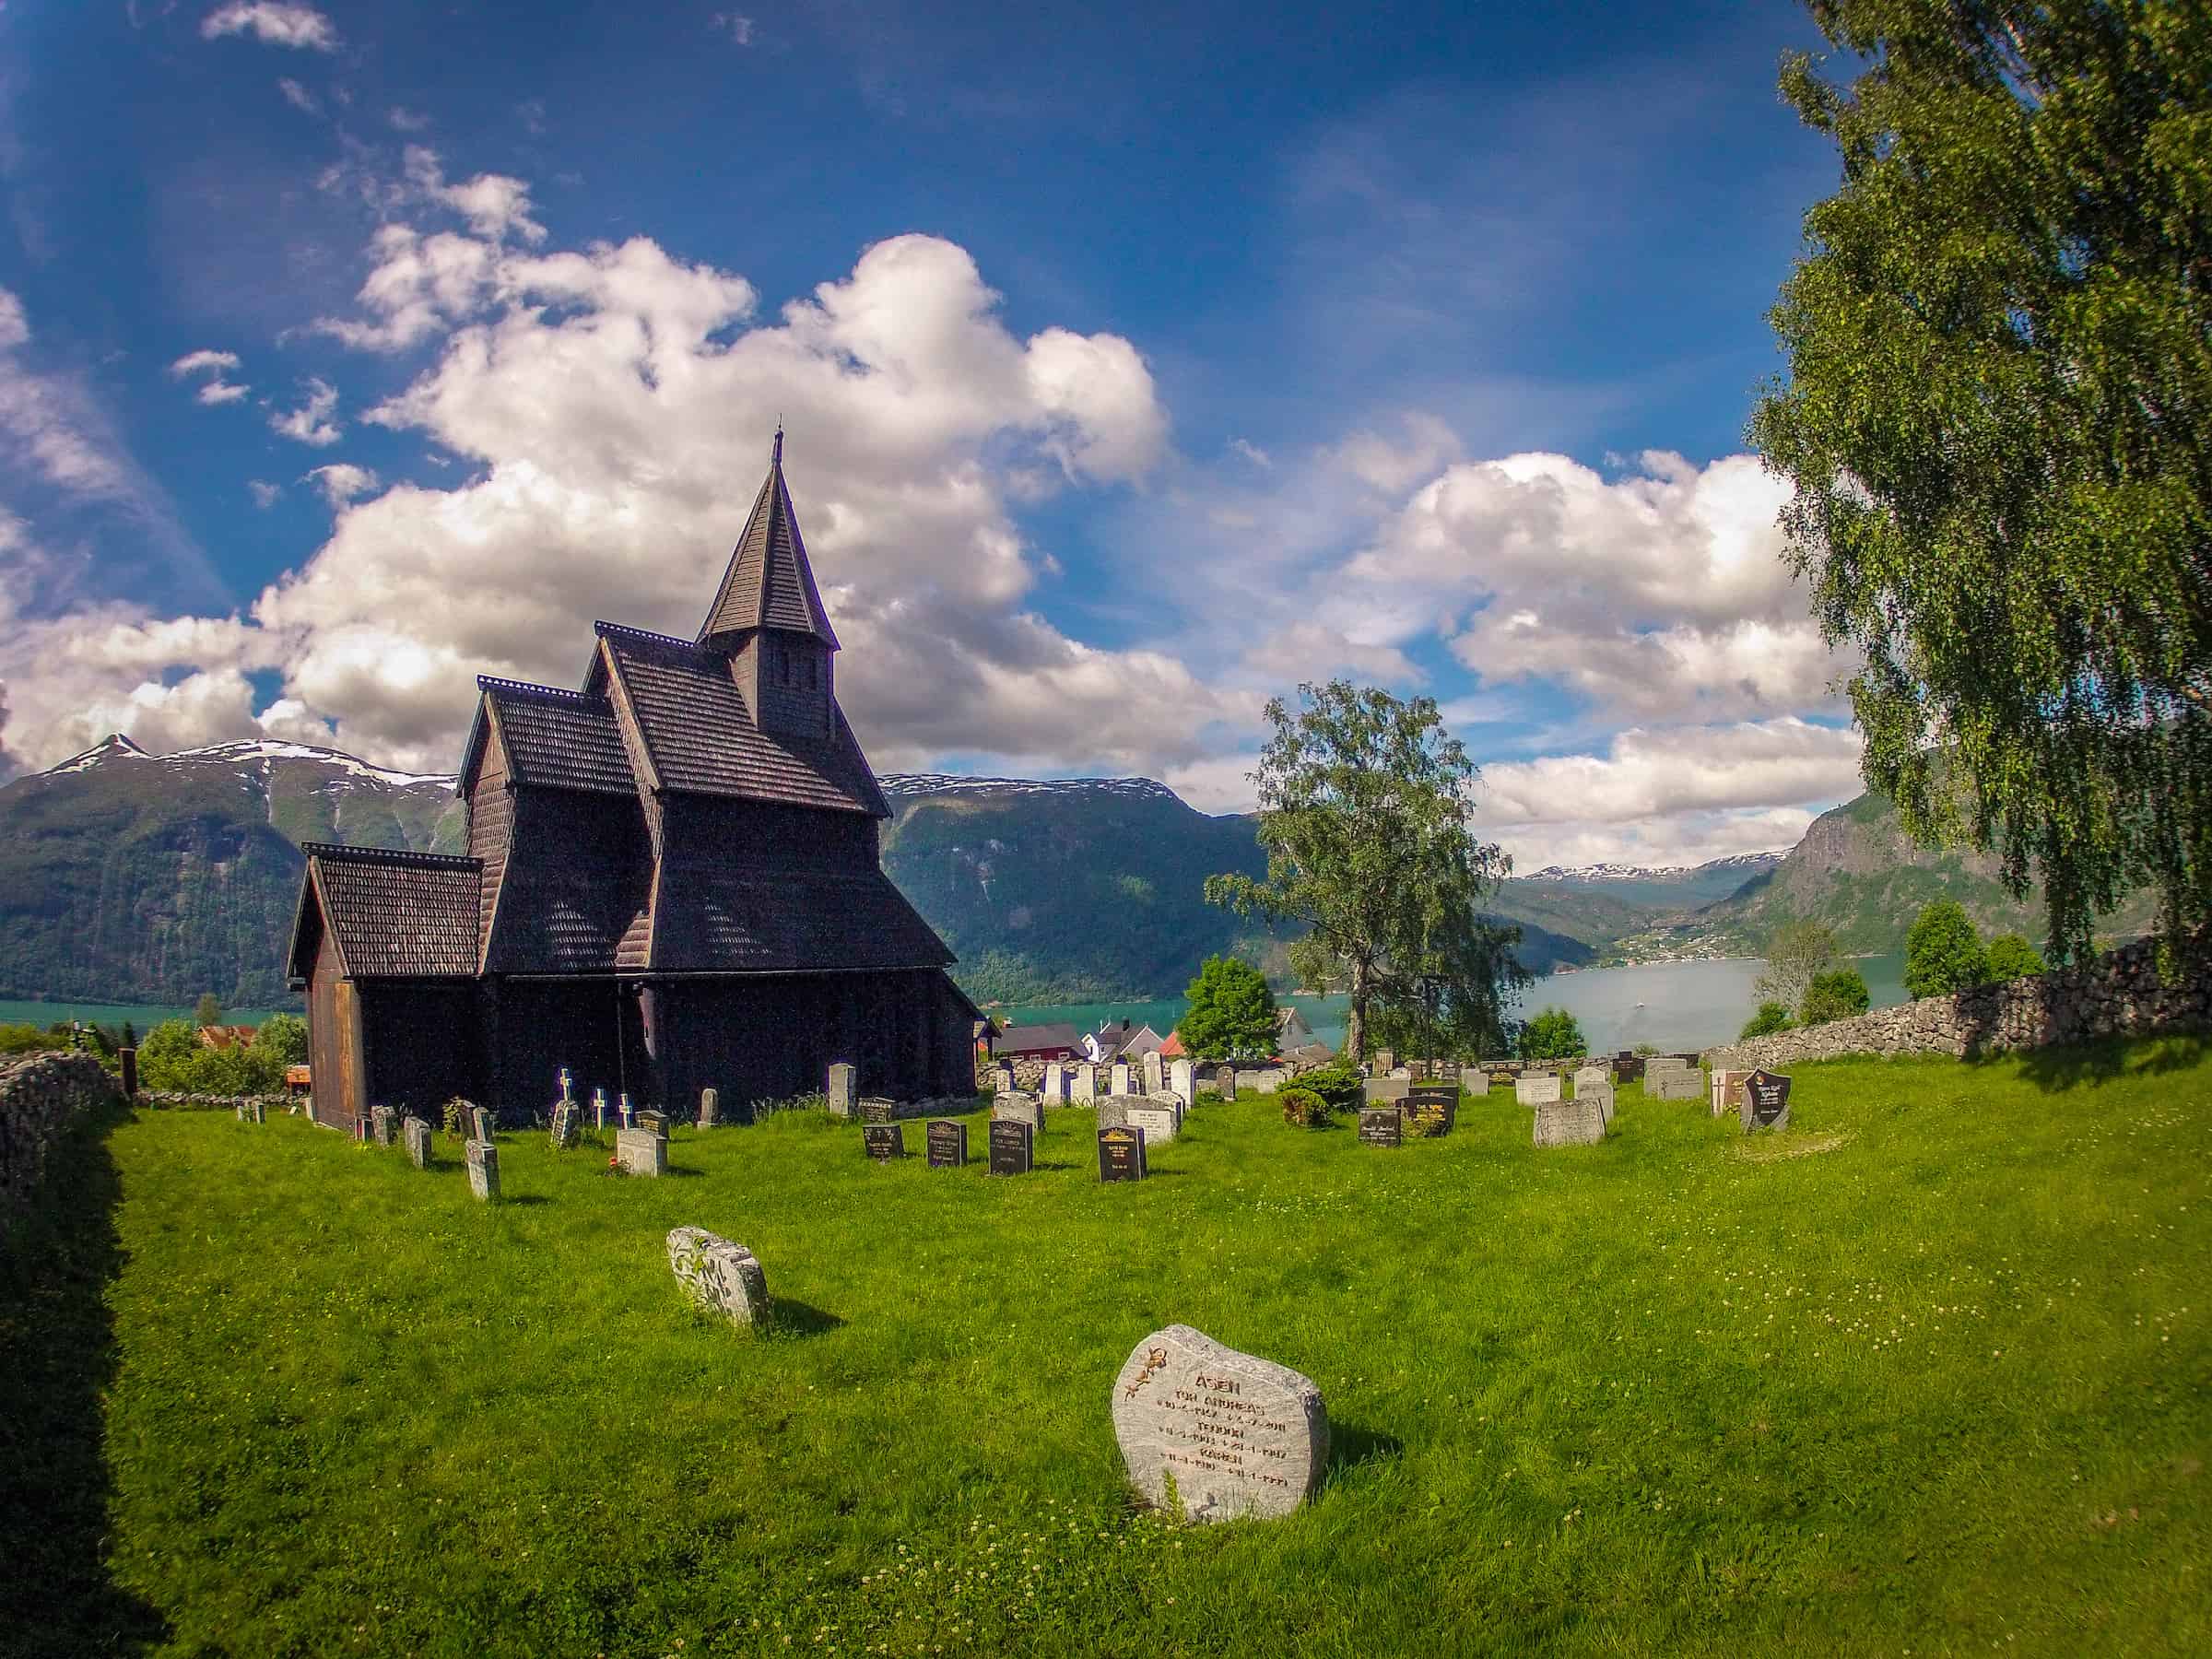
column 947, row 1143
column 1432, row 1109
column 1013, row 1146
column 1766, row 1101
column 875, row 1110
column 1382, row 1126
column 1122, row 1153
column 884, row 1141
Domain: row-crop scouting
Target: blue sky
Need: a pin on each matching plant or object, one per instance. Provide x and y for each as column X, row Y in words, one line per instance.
column 1136, row 366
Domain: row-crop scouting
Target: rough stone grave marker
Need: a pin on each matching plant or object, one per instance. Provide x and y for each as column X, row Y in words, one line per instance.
column 1156, row 1122
column 1766, row 1101
column 565, row 1129
column 1386, row 1063
column 1122, row 1153
column 1117, row 1080
column 1018, row 1107
column 1537, row 1089
column 1382, row 1126
column 415, row 1132
column 1113, row 1111
column 1083, row 1084
column 380, row 1124
column 479, row 1118
column 876, row 1109
column 1236, row 1435
column 841, row 1084
column 946, row 1141
column 1570, row 1124
column 641, row 1152
column 1013, row 1146
column 1183, row 1082
column 1673, row 1083
column 710, row 1108
column 483, row 1159
column 1225, row 1082
column 1002, row 1078
column 721, row 1277
column 1380, row 1091
column 884, row 1141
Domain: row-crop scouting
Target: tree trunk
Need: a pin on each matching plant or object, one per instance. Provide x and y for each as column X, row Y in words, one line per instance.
column 1354, row 1021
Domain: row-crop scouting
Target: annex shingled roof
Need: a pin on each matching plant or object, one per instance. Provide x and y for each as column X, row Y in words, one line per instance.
column 559, row 739
column 769, row 582
column 701, row 737
column 403, row 915
column 719, row 919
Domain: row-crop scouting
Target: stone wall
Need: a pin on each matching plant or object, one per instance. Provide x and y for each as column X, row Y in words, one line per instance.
column 2117, row 995
column 40, row 1097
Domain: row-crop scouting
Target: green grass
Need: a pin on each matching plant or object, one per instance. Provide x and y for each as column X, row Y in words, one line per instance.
column 1939, row 1381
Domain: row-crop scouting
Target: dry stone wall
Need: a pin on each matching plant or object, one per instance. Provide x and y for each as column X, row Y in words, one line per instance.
column 40, row 1097
column 2120, row 994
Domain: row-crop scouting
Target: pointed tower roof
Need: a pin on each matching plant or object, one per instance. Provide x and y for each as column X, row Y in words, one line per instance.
column 769, row 583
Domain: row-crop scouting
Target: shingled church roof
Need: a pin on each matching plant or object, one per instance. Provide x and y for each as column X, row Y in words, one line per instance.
column 396, row 914
column 769, row 582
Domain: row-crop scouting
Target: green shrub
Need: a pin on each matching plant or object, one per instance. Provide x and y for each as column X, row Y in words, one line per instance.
column 1840, row 993
column 171, row 1060
column 2011, row 958
column 1552, row 1035
column 27, row 1040
column 1772, row 1017
column 1943, row 953
column 1337, row 1085
column 1302, row 1107
column 283, row 1036
column 1232, row 1013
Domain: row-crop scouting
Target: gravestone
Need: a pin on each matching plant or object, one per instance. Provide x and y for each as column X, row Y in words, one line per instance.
column 1402, row 1073
column 1385, row 1061
column 598, row 1109
column 1013, row 1146
column 625, row 1111
column 1601, row 1096
column 1382, row 1126
column 1154, row 1071
column 641, row 1152
column 875, row 1109
column 1673, row 1083
column 415, row 1132
column 1726, row 1098
column 1018, row 1107
column 129, row 1057
column 1157, row 1121
column 1113, row 1111
column 1083, row 1084
column 1121, row 1153
column 945, row 1140
column 1225, row 1082
column 1234, row 1436
column 1628, row 1066
column 480, row 1126
column 1183, row 1082
column 260, row 1110
column 567, row 1126
column 655, row 1122
column 483, row 1159
column 841, row 1084
column 1385, row 1091
column 1431, row 1108
column 710, row 1108
column 380, row 1124
column 720, row 1276
column 1536, row 1089
column 1117, row 1080
column 1570, row 1124
column 1002, row 1078
column 1266, row 1080
column 1052, row 1089
column 1590, row 1075
column 884, row 1141
column 1766, row 1101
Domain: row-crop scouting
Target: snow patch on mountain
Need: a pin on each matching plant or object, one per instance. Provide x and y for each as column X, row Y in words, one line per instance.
column 1748, row 863
column 901, row 785
column 115, row 746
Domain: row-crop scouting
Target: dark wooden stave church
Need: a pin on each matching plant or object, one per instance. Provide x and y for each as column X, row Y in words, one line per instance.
column 672, row 883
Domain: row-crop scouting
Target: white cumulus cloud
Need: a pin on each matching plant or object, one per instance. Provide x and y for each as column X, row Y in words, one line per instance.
column 311, row 423
column 341, row 481
column 273, row 23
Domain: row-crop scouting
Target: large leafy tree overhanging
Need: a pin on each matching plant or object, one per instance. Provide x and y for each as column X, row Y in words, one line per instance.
column 1998, row 424
column 1364, row 814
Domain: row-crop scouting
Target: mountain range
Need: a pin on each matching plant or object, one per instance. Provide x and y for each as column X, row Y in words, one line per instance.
column 127, row 877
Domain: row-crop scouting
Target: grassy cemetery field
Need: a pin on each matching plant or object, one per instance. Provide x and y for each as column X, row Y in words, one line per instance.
column 1931, row 1372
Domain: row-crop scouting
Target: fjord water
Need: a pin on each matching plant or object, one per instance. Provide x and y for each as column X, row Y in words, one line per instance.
column 1667, row 1004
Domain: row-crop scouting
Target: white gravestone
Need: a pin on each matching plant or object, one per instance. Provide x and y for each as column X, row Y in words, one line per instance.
column 1537, row 1089
column 843, row 1082
column 1580, row 1122
column 483, row 1159
column 598, row 1108
column 710, row 1108
column 1002, row 1078
column 1114, row 1111
column 1265, row 1080
column 1083, row 1084
column 1156, row 1122
column 1156, row 1079
column 1384, row 1091
column 1235, row 1435
column 566, row 1124
column 1683, row 1085
column 1117, row 1080
column 418, row 1134
column 641, row 1152
column 1018, row 1107
column 721, row 1277
column 1183, row 1082
column 1054, row 1088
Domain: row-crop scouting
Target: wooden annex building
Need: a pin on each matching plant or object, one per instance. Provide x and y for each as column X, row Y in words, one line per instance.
column 672, row 883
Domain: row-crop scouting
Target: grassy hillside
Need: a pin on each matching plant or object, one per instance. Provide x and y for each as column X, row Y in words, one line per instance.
column 1933, row 1372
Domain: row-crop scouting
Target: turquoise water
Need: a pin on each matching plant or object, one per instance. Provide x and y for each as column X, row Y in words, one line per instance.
column 1667, row 1004
column 145, row 1018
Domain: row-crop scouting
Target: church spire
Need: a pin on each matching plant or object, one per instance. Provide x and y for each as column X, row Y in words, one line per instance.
column 769, row 582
